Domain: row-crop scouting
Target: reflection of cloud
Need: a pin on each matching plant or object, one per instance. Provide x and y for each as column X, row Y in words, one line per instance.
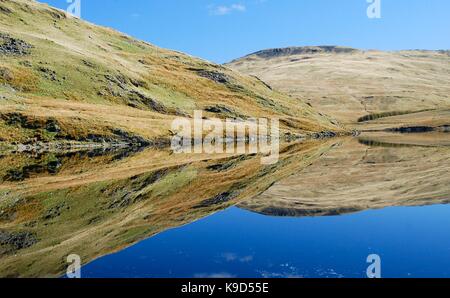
column 287, row 271
column 267, row 274
column 327, row 273
column 214, row 275
column 221, row 10
column 246, row 259
column 231, row 257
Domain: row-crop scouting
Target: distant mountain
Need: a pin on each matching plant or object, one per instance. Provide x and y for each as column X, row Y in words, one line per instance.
column 280, row 52
column 354, row 85
column 64, row 79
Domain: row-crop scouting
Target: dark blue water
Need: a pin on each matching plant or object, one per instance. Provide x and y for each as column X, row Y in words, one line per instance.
column 412, row 242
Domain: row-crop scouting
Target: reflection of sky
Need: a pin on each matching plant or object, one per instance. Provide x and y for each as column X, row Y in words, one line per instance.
column 235, row 243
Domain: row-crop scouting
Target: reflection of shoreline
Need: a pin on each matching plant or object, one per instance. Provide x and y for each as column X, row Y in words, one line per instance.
column 97, row 206
column 370, row 172
column 429, row 139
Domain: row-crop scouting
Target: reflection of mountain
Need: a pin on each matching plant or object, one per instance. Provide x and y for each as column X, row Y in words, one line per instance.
column 362, row 175
column 92, row 204
column 102, row 204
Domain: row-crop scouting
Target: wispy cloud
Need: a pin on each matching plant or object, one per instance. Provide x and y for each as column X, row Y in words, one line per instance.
column 220, row 10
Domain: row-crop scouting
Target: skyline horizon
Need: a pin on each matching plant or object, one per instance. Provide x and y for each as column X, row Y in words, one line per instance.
column 230, row 30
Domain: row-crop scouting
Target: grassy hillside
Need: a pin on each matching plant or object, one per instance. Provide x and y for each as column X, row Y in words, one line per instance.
column 354, row 85
column 65, row 79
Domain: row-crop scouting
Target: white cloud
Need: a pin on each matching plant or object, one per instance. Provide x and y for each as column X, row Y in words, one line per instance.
column 221, row 10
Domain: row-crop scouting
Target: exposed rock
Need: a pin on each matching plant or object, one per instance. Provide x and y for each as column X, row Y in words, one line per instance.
column 228, row 164
column 323, row 135
column 217, row 200
column 445, row 128
column 136, row 96
column 264, row 83
column 279, row 52
column 6, row 74
column 53, row 166
column 55, row 211
column 17, row 119
column 52, row 126
column 13, row 46
column 26, row 63
column 219, row 109
column 138, row 83
column 144, row 62
column 88, row 63
column 224, row 110
column 48, row 73
column 127, row 195
column 122, row 86
column 129, row 138
column 215, row 76
column 26, row 172
column 411, row 129
column 298, row 212
column 119, row 80
column 56, row 14
column 5, row 10
column 19, row 240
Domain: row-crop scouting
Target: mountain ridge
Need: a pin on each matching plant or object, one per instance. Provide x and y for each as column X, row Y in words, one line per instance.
column 321, row 49
column 350, row 84
column 298, row 50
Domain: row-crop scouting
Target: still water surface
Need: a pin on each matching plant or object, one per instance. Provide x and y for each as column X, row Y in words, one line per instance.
column 412, row 242
column 319, row 212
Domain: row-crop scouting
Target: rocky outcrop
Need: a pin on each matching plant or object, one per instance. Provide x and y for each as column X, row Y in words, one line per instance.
column 13, row 46
column 17, row 241
column 279, row 52
column 215, row 76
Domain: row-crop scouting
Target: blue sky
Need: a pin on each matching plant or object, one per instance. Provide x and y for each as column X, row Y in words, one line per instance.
column 221, row 30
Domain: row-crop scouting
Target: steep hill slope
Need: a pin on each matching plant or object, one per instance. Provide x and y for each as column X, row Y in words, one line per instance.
column 354, row 85
column 65, row 79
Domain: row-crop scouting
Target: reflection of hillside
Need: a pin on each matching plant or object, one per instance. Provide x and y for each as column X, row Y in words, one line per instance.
column 366, row 174
column 23, row 166
column 105, row 204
